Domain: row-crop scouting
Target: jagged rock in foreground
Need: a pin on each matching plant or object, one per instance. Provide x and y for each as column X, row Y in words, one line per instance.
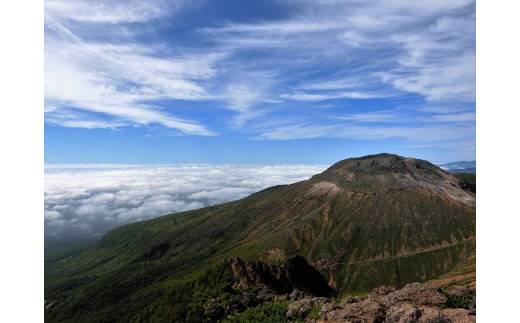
column 258, row 282
column 364, row 222
column 413, row 303
column 311, row 299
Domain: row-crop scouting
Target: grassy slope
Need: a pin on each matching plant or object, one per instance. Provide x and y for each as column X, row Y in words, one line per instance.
column 358, row 241
column 166, row 268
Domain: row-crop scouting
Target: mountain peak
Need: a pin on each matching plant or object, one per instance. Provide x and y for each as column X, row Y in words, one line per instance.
column 381, row 172
column 383, row 162
column 365, row 222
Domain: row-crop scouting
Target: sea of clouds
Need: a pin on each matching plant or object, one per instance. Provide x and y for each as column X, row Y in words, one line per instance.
column 89, row 200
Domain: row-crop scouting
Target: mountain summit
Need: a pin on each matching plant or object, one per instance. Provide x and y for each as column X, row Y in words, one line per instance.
column 383, row 172
column 364, row 222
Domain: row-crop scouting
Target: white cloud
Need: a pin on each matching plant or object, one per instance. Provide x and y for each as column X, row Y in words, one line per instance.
column 95, row 198
column 376, row 116
column 319, row 51
column 301, row 96
column 337, row 84
column 52, row 214
column 423, row 47
column 405, row 115
column 453, row 80
column 423, row 134
column 277, row 27
column 115, row 80
column 109, row 11
column 459, row 117
column 100, row 198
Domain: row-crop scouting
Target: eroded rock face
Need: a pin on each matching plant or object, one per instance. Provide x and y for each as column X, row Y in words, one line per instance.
column 365, row 311
column 257, row 282
column 457, row 290
column 459, row 315
column 407, row 312
column 383, row 290
column 413, row 303
column 294, row 273
column 254, row 273
column 384, row 171
column 294, row 280
column 304, row 306
column 417, row 294
column 404, row 312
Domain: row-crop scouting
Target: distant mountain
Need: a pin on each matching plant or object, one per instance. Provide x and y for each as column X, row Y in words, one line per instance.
column 460, row 167
column 364, row 222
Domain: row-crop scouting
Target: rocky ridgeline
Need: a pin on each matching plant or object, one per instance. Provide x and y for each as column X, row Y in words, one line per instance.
column 300, row 284
column 413, row 303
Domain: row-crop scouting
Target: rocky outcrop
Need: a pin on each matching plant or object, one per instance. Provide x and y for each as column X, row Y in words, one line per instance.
column 303, row 307
column 381, row 172
column 294, row 274
column 366, row 310
column 413, row 303
column 258, row 282
column 417, row 294
column 296, row 280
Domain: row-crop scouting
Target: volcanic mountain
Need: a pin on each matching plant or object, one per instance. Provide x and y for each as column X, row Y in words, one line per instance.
column 364, row 222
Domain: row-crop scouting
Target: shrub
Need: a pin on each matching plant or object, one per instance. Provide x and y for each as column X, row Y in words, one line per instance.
column 267, row 312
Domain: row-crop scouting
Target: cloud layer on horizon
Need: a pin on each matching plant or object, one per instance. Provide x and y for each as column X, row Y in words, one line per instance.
column 92, row 199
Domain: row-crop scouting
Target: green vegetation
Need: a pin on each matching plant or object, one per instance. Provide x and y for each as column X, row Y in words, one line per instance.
column 268, row 312
column 167, row 268
column 131, row 295
column 469, row 179
column 315, row 312
column 57, row 249
column 457, row 301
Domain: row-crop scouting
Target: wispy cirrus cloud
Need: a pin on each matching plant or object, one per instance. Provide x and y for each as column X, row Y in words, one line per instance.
column 116, row 64
column 458, row 117
column 424, row 48
column 110, row 11
column 414, row 134
column 118, row 80
column 406, row 116
column 385, row 116
column 339, row 53
column 92, row 199
column 301, row 96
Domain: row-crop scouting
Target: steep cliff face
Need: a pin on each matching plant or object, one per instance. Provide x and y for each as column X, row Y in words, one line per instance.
column 294, row 273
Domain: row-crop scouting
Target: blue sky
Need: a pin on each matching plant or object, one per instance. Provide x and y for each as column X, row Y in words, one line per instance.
column 258, row 82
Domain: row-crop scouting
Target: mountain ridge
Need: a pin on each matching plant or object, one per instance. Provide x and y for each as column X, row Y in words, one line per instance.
column 388, row 220
column 462, row 166
column 385, row 171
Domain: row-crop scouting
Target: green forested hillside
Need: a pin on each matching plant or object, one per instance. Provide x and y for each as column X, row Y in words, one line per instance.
column 378, row 220
column 469, row 178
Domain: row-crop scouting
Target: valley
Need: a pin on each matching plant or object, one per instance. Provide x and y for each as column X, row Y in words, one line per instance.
column 378, row 220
